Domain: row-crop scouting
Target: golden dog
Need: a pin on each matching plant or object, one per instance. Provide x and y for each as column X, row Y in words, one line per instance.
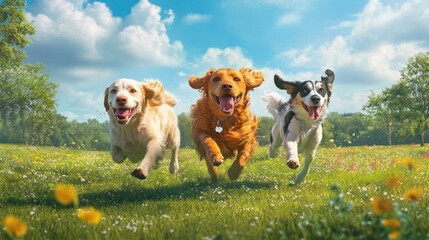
column 223, row 126
column 142, row 124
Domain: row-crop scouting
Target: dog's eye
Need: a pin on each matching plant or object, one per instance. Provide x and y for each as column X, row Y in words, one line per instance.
column 132, row 90
column 321, row 91
column 237, row 79
column 113, row 91
column 216, row 79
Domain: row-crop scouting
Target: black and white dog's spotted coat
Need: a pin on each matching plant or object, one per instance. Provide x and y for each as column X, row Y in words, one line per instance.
column 298, row 125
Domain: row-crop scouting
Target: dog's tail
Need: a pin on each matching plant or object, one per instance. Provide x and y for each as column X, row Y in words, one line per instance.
column 275, row 103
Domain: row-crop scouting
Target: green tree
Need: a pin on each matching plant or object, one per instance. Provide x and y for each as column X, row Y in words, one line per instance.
column 377, row 106
column 61, row 131
column 264, row 130
column 385, row 107
column 346, row 129
column 415, row 78
column 27, row 97
column 184, row 121
column 14, row 29
column 34, row 105
column 328, row 135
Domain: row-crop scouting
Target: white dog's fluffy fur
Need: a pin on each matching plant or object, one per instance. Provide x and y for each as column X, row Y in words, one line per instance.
column 298, row 125
column 142, row 124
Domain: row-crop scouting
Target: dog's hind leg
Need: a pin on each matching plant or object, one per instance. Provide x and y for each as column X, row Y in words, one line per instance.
column 240, row 161
column 174, row 160
column 238, row 165
column 306, row 168
column 275, row 141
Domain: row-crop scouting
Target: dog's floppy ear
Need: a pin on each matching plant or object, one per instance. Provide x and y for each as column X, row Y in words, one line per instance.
column 151, row 91
column 253, row 78
column 197, row 83
column 106, row 103
column 285, row 85
column 329, row 80
column 156, row 95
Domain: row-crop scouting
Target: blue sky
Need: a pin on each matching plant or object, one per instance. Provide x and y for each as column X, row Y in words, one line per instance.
column 86, row 45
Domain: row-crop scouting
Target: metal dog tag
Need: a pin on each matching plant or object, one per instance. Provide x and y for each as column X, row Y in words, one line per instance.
column 218, row 128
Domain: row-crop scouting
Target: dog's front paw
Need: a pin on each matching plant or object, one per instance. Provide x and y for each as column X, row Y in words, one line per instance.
column 217, row 161
column 293, row 164
column 174, row 168
column 140, row 173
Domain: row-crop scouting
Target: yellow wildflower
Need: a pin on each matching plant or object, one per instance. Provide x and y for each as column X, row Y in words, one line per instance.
column 90, row 215
column 14, row 226
column 413, row 195
column 393, row 182
column 391, row 223
column 394, row 235
column 381, row 206
column 65, row 194
column 411, row 164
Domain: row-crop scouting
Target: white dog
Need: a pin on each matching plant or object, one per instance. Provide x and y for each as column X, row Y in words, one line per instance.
column 142, row 124
column 299, row 121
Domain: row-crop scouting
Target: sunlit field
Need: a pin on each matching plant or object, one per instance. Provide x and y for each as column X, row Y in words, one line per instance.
column 368, row 192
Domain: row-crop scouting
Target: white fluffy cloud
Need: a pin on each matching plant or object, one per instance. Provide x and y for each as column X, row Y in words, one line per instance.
column 395, row 21
column 217, row 58
column 145, row 39
column 72, row 32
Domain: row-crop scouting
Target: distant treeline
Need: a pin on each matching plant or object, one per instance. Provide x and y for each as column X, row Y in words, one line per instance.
column 353, row 129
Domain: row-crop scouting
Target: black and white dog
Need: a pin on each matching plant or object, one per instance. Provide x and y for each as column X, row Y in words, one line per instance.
column 298, row 123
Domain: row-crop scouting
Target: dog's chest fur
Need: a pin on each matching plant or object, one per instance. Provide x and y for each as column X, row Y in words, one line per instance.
column 303, row 131
column 236, row 133
column 131, row 139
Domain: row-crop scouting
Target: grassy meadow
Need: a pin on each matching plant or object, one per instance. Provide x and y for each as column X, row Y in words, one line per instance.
column 370, row 192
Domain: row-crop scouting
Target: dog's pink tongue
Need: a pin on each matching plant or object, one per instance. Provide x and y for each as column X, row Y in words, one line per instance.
column 314, row 112
column 226, row 104
column 122, row 112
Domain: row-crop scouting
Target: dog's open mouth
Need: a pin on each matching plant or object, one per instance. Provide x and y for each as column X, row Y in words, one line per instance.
column 227, row 103
column 313, row 111
column 123, row 115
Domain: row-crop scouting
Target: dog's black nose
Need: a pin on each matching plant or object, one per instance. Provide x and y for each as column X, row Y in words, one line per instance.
column 226, row 87
column 315, row 99
column 121, row 100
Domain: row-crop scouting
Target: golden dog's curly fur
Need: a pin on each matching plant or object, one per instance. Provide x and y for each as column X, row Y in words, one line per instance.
column 223, row 126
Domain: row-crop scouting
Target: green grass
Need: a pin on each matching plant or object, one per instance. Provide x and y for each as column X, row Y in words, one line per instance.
column 260, row 205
